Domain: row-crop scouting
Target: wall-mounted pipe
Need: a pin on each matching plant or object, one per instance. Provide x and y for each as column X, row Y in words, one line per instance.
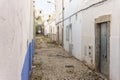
column 102, row 1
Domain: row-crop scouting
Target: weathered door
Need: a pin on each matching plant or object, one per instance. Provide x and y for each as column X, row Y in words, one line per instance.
column 103, row 49
column 102, row 45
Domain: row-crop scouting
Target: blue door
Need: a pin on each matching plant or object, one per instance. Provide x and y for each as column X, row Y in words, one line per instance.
column 103, row 50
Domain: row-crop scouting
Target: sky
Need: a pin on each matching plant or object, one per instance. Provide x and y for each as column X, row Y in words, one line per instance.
column 47, row 8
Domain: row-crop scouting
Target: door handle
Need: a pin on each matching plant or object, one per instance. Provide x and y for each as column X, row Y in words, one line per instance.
column 105, row 57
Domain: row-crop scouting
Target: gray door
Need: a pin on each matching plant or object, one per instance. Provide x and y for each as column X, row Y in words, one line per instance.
column 103, row 50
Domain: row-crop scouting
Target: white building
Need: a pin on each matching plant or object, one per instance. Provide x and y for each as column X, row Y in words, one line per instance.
column 50, row 27
column 92, row 34
column 55, row 26
column 16, row 39
column 59, row 24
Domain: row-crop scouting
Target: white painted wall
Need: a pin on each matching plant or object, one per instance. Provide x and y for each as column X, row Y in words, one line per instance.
column 83, row 31
column 59, row 15
column 70, row 8
column 15, row 30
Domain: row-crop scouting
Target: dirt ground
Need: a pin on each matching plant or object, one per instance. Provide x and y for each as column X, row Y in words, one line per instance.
column 50, row 62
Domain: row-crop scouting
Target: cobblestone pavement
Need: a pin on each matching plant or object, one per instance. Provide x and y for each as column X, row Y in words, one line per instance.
column 51, row 62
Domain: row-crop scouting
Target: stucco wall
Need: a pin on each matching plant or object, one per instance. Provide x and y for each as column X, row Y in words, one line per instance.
column 59, row 16
column 83, row 31
column 88, row 32
column 70, row 8
column 15, row 36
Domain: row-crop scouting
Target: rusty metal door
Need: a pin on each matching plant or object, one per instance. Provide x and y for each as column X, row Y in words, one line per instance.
column 103, row 49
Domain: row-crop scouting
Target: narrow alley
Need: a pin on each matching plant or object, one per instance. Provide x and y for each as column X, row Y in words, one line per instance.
column 60, row 40
column 51, row 62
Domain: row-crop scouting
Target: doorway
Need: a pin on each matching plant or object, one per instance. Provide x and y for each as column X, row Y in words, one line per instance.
column 58, row 34
column 102, row 44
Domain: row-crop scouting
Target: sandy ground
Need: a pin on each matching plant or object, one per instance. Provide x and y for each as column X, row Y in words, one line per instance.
column 51, row 62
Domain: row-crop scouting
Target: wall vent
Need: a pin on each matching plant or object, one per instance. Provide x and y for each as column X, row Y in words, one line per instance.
column 90, row 51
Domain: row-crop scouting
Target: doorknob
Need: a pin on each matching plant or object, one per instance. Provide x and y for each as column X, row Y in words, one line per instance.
column 105, row 56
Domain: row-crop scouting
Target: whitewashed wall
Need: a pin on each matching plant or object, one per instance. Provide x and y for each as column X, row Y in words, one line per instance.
column 58, row 19
column 70, row 8
column 15, row 31
column 83, row 31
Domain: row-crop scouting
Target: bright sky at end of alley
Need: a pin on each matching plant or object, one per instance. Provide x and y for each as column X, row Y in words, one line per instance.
column 47, row 8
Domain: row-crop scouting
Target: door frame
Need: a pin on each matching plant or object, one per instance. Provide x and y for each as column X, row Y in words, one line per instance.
column 98, row 21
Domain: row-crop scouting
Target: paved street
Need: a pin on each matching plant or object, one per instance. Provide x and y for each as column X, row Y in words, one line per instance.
column 51, row 62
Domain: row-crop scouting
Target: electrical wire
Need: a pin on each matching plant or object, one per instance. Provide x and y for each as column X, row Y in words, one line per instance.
column 83, row 10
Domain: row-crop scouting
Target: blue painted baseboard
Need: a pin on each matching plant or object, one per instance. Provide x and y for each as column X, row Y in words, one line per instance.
column 27, row 66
